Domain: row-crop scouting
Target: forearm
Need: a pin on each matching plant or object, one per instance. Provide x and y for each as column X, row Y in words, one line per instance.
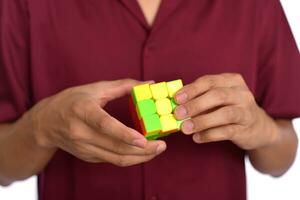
column 20, row 156
column 276, row 158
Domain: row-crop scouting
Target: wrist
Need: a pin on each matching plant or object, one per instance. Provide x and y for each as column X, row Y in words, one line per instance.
column 270, row 130
column 32, row 122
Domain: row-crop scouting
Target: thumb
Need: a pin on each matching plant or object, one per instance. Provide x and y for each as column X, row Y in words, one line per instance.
column 111, row 90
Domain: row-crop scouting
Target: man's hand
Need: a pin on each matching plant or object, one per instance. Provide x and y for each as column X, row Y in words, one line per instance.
column 74, row 120
column 221, row 107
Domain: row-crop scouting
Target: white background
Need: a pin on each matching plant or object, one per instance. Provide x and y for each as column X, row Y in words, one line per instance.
column 260, row 187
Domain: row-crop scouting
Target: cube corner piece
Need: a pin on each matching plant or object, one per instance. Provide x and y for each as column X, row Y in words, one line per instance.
column 151, row 125
column 141, row 92
column 163, row 106
column 173, row 87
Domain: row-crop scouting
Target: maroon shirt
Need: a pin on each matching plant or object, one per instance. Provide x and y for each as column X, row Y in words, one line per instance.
column 49, row 45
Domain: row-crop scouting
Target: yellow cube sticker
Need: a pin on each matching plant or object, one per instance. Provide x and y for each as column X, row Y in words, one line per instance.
column 159, row 90
column 152, row 107
column 168, row 123
column 173, row 87
column 163, row 106
column 142, row 92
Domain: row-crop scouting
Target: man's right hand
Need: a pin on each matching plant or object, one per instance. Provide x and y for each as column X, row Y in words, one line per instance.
column 74, row 120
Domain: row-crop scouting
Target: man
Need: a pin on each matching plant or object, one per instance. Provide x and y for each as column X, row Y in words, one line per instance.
column 64, row 108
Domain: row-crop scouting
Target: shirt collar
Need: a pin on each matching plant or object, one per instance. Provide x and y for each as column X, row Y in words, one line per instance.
column 167, row 7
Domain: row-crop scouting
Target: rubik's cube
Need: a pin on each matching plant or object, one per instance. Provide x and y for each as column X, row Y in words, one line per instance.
column 152, row 107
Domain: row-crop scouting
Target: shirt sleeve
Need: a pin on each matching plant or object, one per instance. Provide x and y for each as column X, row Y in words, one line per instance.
column 14, row 60
column 278, row 74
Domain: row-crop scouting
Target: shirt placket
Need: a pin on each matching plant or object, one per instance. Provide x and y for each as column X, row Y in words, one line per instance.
column 148, row 72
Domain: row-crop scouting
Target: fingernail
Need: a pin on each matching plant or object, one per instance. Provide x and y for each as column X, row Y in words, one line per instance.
column 160, row 148
column 149, row 81
column 188, row 126
column 197, row 137
column 180, row 112
column 181, row 97
column 139, row 142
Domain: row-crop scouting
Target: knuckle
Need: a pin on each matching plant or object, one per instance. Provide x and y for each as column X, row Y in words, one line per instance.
column 248, row 96
column 202, row 124
column 102, row 123
column 74, row 133
column 79, row 106
column 237, row 77
column 192, row 89
column 121, row 134
column 231, row 114
column 76, row 107
column 220, row 95
column 81, row 151
column 122, row 161
column 118, row 147
column 210, row 80
column 124, row 137
column 128, row 81
column 230, row 131
column 194, row 107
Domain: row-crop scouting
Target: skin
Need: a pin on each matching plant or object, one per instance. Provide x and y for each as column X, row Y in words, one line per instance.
column 73, row 120
column 149, row 9
column 218, row 107
column 221, row 107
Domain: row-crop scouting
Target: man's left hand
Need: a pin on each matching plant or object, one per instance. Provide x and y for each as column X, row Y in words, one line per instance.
column 221, row 107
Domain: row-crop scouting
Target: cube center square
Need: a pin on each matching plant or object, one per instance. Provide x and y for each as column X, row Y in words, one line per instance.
column 154, row 106
column 163, row 106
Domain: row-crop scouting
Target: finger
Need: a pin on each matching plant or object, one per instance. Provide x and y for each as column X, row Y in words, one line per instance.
column 217, row 134
column 90, row 152
column 119, row 147
column 223, row 116
column 215, row 97
column 205, row 83
column 111, row 90
column 99, row 120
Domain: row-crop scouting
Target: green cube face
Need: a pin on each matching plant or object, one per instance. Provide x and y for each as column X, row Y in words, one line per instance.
column 179, row 124
column 154, row 107
column 152, row 124
column 156, row 136
column 173, row 104
column 145, row 108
